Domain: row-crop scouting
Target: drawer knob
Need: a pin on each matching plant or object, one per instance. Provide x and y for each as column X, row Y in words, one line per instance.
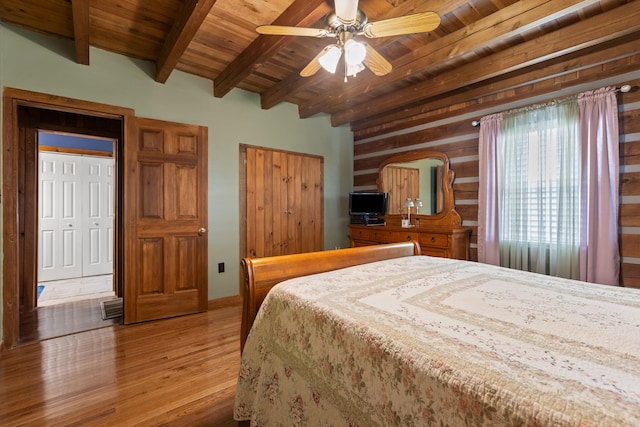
column 433, row 238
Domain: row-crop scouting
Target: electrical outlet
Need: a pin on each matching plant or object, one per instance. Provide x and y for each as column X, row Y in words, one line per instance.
column 221, row 267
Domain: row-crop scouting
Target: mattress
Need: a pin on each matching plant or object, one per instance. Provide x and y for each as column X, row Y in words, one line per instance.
column 420, row 341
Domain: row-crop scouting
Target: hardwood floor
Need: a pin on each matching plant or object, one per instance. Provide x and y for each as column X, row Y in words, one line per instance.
column 63, row 319
column 177, row 372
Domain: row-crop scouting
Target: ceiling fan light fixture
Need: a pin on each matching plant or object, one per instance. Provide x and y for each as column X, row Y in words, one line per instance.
column 346, row 23
column 354, row 52
column 329, row 61
column 353, row 69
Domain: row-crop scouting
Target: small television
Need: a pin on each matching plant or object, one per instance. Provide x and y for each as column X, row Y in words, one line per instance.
column 367, row 204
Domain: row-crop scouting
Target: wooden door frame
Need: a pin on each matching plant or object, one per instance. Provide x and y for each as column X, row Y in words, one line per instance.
column 12, row 165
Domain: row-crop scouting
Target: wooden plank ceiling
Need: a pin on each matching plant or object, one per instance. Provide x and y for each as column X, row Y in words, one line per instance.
column 480, row 47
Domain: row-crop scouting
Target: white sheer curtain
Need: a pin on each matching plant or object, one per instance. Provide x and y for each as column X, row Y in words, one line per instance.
column 599, row 255
column 539, row 189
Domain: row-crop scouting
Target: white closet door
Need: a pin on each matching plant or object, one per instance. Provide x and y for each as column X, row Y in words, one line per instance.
column 59, row 222
column 98, row 208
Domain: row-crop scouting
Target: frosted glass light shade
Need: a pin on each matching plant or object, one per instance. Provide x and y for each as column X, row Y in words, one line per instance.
column 354, row 52
column 354, row 69
column 329, row 61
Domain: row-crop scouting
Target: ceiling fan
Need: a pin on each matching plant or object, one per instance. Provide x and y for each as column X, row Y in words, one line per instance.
column 344, row 24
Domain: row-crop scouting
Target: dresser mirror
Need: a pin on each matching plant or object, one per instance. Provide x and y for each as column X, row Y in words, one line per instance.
column 425, row 178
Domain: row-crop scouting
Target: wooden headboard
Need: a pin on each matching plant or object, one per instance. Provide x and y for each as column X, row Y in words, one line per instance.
column 262, row 274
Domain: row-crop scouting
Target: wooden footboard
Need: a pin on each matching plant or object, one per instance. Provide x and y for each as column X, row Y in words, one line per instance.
column 261, row 274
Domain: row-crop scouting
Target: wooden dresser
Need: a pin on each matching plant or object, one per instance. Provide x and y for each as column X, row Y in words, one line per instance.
column 419, row 175
column 441, row 241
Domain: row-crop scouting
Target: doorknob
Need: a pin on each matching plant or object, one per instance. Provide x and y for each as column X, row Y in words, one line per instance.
column 202, row 231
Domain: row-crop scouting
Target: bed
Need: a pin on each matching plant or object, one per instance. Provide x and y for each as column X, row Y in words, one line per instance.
column 376, row 336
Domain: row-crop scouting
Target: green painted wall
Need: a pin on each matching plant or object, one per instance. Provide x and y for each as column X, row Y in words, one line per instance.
column 35, row 62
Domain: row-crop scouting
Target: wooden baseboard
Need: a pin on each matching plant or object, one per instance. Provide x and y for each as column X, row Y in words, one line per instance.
column 232, row 301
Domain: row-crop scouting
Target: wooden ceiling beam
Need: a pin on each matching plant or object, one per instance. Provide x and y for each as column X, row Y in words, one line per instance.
column 293, row 83
column 300, row 13
column 80, row 14
column 599, row 29
column 596, row 65
column 192, row 15
column 460, row 105
column 490, row 31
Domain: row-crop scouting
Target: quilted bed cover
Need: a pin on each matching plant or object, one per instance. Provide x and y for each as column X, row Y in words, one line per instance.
column 422, row 341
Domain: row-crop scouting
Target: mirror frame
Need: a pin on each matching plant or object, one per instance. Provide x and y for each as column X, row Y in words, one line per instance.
column 448, row 215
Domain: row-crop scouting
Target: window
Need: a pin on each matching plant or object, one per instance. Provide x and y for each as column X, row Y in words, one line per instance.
column 538, row 183
column 548, row 192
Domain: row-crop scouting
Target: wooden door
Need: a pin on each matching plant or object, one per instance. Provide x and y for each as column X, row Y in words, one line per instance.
column 305, row 202
column 283, row 202
column 165, row 208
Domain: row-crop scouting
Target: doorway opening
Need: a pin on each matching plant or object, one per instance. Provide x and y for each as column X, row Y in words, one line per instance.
column 76, row 208
column 69, row 175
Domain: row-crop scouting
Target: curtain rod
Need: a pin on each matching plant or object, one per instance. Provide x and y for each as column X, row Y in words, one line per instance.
column 623, row 89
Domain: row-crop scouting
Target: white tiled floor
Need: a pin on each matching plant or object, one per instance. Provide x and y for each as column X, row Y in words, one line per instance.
column 61, row 291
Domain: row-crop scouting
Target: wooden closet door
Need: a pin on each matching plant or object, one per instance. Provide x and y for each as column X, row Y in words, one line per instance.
column 283, row 203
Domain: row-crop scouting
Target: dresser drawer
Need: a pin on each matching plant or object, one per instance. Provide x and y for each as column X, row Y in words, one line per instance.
column 362, row 233
column 434, row 239
column 397, row 236
column 442, row 253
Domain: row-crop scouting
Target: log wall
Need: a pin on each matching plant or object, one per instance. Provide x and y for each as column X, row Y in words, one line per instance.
column 450, row 131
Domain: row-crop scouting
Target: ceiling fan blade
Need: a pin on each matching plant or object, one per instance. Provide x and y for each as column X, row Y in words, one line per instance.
column 311, row 68
column 281, row 30
column 376, row 62
column 410, row 24
column 314, row 65
column 346, row 10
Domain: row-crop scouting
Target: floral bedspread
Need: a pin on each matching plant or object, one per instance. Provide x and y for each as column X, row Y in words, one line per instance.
column 423, row 341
